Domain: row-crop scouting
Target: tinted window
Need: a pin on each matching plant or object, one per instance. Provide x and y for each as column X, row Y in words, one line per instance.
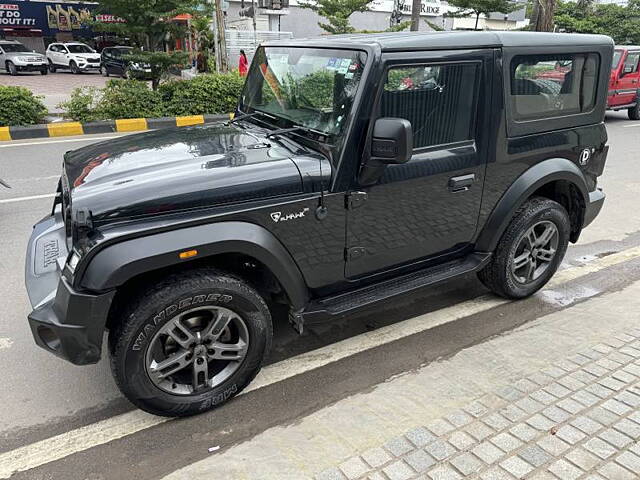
column 632, row 61
column 79, row 49
column 14, row 48
column 553, row 85
column 438, row 100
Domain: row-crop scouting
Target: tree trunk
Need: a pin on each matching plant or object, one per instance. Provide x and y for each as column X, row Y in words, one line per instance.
column 416, row 5
column 477, row 18
column 544, row 18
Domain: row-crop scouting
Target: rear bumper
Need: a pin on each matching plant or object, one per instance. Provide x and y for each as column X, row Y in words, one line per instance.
column 596, row 200
column 64, row 322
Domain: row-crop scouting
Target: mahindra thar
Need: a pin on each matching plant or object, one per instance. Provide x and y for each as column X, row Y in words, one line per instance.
column 356, row 169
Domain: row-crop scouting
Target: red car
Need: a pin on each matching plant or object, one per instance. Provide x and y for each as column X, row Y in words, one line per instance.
column 624, row 83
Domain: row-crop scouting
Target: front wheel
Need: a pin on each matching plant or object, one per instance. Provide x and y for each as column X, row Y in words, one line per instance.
column 104, row 71
column 13, row 70
column 52, row 67
column 74, row 68
column 190, row 343
column 529, row 251
column 44, row 71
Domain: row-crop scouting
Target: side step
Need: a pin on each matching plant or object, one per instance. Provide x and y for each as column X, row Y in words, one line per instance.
column 326, row 308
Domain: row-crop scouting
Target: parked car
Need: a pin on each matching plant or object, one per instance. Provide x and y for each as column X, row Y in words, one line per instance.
column 356, row 170
column 16, row 58
column 113, row 61
column 74, row 56
column 624, row 83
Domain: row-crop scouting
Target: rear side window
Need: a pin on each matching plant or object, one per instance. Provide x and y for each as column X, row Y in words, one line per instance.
column 438, row 100
column 544, row 86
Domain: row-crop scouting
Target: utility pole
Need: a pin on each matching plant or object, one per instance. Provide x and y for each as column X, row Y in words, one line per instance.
column 222, row 41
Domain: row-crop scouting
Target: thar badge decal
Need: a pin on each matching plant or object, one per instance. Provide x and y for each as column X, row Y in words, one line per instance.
column 280, row 217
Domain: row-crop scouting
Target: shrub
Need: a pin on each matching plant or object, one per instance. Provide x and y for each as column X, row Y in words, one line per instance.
column 128, row 99
column 205, row 94
column 19, row 106
column 82, row 105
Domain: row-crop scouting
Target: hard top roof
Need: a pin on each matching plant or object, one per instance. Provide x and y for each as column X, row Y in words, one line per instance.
column 448, row 40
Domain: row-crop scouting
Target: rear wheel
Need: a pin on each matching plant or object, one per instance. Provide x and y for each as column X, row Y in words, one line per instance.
column 190, row 343
column 634, row 112
column 12, row 69
column 530, row 250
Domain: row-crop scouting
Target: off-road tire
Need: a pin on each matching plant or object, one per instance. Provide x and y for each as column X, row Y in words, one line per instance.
column 136, row 323
column 497, row 275
column 634, row 112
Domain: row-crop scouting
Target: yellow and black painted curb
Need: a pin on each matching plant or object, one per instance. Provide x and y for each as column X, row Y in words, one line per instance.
column 66, row 129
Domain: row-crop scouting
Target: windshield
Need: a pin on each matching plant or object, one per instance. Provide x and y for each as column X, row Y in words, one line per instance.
column 79, row 49
column 617, row 55
column 310, row 87
column 14, row 48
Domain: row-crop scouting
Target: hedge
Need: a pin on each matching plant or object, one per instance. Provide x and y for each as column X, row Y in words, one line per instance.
column 119, row 99
column 19, row 106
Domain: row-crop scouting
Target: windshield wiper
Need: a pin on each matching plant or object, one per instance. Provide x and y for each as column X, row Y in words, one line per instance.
column 297, row 128
column 242, row 117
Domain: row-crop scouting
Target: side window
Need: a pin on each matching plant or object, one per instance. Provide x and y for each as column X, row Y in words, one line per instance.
column 106, row 53
column 438, row 100
column 632, row 61
column 544, row 86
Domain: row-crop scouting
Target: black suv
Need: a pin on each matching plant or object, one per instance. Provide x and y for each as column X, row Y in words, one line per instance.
column 114, row 61
column 357, row 168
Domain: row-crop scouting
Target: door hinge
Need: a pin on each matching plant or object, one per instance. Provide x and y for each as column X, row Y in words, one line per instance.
column 356, row 199
column 354, row 253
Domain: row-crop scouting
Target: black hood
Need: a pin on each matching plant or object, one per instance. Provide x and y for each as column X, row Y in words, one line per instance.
column 179, row 169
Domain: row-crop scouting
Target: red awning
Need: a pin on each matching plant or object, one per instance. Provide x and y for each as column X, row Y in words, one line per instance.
column 183, row 17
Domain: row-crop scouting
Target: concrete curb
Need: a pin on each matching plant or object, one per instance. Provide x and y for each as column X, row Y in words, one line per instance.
column 65, row 129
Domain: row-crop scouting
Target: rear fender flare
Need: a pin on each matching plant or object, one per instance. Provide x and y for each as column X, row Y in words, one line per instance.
column 115, row 264
column 531, row 180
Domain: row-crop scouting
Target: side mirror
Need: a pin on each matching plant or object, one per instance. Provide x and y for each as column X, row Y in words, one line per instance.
column 391, row 144
column 627, row 69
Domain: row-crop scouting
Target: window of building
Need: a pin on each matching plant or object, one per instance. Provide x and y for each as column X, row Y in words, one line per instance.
column 439, row 101
column 544, row 86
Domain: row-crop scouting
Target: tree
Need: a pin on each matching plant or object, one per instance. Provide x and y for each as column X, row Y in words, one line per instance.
column 337, row 13
column 415, row 15
column 622, row 23
column 482, row 7
column 148, row 21
column 542, row 15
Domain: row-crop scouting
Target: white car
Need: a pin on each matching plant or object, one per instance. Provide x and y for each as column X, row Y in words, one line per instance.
column 15, row 58
column 77, row 57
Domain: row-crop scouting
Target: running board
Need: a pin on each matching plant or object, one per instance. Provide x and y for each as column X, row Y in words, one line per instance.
column 330, row 307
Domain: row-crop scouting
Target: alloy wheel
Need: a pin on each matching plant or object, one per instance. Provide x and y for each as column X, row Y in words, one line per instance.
column 536, row 250
column 197, row 350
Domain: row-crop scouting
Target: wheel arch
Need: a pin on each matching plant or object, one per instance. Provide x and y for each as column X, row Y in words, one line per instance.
column 122, row 263
column 558, row 179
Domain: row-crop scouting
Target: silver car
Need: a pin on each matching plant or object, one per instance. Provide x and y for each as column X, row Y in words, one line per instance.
column 15, row 58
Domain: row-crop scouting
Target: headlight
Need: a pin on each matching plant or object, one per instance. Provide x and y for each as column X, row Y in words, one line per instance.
column 135, row 66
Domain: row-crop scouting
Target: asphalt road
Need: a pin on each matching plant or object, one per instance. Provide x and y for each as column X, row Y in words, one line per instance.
column 43, row 396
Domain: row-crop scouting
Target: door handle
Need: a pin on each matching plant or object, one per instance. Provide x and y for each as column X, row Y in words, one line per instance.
column 461, row 183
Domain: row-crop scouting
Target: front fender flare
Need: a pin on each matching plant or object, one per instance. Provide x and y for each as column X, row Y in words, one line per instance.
column 531, row 180
column 117, row 263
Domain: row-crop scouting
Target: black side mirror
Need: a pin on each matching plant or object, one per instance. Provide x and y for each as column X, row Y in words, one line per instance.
column 391, row 144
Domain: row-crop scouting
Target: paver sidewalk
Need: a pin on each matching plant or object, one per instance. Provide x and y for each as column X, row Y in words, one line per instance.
column 578, row 419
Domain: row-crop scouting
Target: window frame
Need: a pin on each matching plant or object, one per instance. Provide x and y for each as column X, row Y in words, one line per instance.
column 517, row 128
column 473, row 126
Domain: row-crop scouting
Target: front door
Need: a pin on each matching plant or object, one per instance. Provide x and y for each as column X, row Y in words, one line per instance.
column 431, row 204
column 627, row 85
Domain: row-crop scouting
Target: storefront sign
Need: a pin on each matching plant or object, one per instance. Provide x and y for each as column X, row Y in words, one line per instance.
column 12, row 16
column 49, row 17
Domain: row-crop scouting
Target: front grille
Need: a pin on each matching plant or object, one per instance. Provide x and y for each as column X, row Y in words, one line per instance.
column 33, row 59
column 93, row 60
